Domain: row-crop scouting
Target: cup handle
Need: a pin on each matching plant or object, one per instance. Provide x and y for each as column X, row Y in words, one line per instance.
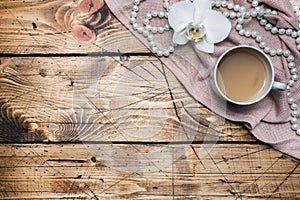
column 278, row 86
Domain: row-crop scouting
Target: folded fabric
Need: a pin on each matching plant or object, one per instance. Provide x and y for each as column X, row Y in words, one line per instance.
column 268, row 120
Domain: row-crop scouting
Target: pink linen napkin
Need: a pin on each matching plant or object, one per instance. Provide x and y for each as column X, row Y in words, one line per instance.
column 268, row 120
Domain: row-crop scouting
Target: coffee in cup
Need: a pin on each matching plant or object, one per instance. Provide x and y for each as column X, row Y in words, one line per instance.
column 244, row 75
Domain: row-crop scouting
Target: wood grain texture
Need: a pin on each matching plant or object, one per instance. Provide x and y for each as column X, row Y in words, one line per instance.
column 124, row 99
column 229, row 172
column 57, row 26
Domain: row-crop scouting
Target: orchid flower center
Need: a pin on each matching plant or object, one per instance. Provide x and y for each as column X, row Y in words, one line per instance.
column 195, row 32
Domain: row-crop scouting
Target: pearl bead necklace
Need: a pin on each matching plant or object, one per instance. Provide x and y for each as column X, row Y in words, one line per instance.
column 147, row 30
column 239, row 12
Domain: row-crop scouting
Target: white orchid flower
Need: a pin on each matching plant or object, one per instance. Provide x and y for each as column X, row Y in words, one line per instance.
column 196, row 21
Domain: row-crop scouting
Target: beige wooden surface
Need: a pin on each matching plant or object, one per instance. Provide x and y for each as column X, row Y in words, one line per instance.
column 89, row 113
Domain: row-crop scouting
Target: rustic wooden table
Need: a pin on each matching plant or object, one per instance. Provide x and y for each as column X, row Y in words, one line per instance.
column 88, row 113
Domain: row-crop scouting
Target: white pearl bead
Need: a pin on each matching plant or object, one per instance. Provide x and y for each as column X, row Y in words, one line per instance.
column 298, row 47
column 291, row 83
column 224, row 4
column 135, row 8
column 133, row 14
column 294, row 34
column 154, row 13
column 298, row 131
column 273, row 52
column 289, row 31
column 286, row 53
column 226, row 14
column 166, row 5
column 260, row 12
column 268, row 11
column 295, row 77
column 154, row 30
column 171, row 49
column 238, row 27
column 148, row 16
column 295, row 113
column 145, row 33
column 294, row 71
column 166, row 53
column 140, row 29
column 152, row 44
column 279, row 52
column 132, row 20
column 291, row 65
column 254, row 34
column 230, row 6
column 154, row 49
column 146, row 21
column 295, row 127
column 267, row 49
column 268, row 27
column 274, row 12
column 236, row 7
column 148, row 27
column 262, row 44
column 167, row 27
column 253, row 13
column 281, row 31
column 240, row 20
column 263, row 22
column 242, row 9
column 298, row 40
column 290, row 58
column 259, row 38
column 254, row 3
column 289, row 94
column 150, row 37
column 242, row 32
column 161, row 14
column 274, row 30
column 160, row 29
column 247, row 33
column 246, row 14
column 136, row 2
column 294, row 120
column 294, row 106
column 232, row 15
column 159, row 53
column 135, row 26
column 290, row 100
column 217, row 3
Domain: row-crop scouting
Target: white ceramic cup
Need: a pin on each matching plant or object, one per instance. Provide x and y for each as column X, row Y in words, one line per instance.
column 269, row 83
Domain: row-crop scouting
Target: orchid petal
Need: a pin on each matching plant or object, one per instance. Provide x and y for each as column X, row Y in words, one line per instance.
column 180, row 15
column 205, row 46
column 217, row 26
column 201, row 7
column 180, row 38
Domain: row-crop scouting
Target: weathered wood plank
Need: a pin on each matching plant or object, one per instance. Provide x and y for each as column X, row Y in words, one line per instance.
column 229, row 171
column 85, row 98
column 57, row 26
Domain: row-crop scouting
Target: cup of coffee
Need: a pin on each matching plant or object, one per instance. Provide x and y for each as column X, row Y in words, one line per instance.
column 244, row 75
